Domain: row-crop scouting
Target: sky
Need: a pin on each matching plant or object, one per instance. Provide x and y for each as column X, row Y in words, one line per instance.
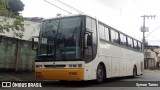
column 124, row 15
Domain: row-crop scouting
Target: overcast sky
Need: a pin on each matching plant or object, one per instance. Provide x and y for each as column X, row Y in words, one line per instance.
column 123, row 15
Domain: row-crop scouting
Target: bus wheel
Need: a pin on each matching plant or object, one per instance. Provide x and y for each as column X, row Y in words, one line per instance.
column 100, row 73
column 134, row 72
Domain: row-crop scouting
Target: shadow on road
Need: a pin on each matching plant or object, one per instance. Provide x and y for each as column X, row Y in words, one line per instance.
column 112, row 82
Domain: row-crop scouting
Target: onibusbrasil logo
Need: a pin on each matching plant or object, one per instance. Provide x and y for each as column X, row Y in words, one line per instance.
column 21, row 84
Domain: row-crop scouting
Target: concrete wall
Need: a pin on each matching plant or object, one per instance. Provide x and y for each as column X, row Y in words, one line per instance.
column 16, row 54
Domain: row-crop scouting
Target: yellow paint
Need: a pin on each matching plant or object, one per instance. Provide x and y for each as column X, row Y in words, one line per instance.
column 59, row 74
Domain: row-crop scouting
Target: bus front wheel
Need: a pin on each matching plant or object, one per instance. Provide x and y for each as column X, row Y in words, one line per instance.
column 100, row 73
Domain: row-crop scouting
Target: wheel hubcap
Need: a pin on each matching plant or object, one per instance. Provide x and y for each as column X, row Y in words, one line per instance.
column 100, row 74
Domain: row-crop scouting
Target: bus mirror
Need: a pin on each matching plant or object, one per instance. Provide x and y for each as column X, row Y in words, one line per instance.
column 89, row 40
column 34, row 42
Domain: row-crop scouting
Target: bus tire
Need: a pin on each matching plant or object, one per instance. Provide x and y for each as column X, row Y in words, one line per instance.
column 134, row 72
column 100, row 73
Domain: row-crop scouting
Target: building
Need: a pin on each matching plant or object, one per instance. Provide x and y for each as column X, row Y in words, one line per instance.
column 30, row 27
column 17, row 54
column 152, row 56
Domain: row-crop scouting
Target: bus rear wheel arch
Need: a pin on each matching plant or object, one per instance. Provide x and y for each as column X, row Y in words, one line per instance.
column 100, row 73
column 134, row 71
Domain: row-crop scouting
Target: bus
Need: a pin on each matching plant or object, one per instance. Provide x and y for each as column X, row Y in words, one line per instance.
column 80, row 47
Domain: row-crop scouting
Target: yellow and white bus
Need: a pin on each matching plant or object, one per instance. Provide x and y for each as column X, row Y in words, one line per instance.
column 75, row 48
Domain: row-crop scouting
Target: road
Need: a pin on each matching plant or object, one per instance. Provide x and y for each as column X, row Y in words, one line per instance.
column 109, row 84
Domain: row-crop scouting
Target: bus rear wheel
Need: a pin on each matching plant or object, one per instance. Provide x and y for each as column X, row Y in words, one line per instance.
column 134, row 72
column 100, row 73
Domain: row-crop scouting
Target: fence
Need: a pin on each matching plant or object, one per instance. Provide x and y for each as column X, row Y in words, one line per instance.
column 16, row 54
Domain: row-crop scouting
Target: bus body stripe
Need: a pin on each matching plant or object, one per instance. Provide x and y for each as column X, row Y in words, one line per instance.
column 75, row 74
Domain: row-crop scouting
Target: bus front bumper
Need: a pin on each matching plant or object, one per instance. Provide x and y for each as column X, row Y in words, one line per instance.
column 69, row 74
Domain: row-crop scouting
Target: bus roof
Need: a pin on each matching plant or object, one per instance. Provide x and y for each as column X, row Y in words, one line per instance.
column 59, row 17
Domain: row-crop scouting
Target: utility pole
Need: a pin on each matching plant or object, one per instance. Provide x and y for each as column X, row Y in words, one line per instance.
column 145, row 29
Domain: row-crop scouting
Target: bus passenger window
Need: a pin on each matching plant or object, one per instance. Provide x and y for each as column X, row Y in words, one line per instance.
column 123, row 39
column 139, row 46
column 117, row 37
column 106, row 34
column 130, row 42
column 101, row 32
column 114, row 36
column 135, row 44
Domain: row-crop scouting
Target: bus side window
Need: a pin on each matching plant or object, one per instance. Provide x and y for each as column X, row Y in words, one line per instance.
column 106, row 34
column 130, row 42
column 114, row 36
column 101, row 32
column 135, row 44
column 88, row 24
column 123, row 39
column 139, row 46
column 117, row 39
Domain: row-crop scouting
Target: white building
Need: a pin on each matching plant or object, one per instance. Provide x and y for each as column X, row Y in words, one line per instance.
column 29, row 29
column 151, row 56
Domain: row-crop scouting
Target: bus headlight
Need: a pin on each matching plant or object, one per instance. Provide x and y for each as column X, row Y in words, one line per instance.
column 80, row 65
column 75, row 65
column 72, row 65
column 39, row 66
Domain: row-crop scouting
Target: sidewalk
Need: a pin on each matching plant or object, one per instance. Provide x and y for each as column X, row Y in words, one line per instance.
column 17, row 76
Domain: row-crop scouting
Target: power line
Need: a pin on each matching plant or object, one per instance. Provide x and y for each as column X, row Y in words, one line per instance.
column 57, row 6
column 108, row 4
column 153, row 31
column 70, row 7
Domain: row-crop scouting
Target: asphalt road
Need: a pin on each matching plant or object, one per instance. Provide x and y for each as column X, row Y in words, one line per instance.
column 124, row 83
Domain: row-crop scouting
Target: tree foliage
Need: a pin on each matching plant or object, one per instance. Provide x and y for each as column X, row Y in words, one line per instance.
column 17, row 21
column 15, row 6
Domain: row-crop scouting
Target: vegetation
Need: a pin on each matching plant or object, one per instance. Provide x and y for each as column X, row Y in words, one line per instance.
column 10, row 9
column 15, row 6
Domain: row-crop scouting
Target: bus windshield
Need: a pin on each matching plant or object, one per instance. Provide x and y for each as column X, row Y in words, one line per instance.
column 60, row 38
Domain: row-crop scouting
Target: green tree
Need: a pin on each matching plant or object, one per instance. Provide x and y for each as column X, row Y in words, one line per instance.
column 15, row 6
column 7, row 12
